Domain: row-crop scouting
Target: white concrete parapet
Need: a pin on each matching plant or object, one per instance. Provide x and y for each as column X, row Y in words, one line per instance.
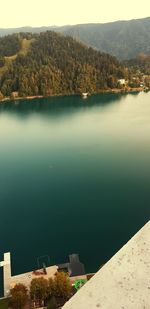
column 122, row 283
column 7, row 273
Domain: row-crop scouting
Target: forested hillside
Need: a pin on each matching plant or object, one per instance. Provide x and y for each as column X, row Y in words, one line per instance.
column 123, row 39
column 9, row 45
column 142, row 63
column 52, row 64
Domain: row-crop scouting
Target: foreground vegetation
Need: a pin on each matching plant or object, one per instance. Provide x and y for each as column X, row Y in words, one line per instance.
column 51, row 293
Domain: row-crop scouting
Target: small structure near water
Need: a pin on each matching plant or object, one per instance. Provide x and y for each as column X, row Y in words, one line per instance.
column 74, row 267
column 122, row 82
column 84, row 95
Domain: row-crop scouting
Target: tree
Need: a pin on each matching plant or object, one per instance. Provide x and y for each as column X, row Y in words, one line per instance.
column 147, row 82
column 59, row 289
column 52, row 304
column 19, row 296
column 1, row 96
column 62, row 286
column 51, row 287
column 2, row 61
column 39, row 289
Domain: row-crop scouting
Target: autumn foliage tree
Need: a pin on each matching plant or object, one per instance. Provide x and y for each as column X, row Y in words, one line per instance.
column 39, row 289
column 54, row 290
column 62, row 286
column 19, row 296
column 1, row 96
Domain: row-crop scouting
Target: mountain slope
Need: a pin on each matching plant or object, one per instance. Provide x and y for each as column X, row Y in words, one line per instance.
column 142, row 63
column 53, row 64
column 123, row 39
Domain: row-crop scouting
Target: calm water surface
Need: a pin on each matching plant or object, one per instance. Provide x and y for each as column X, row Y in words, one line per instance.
column 74, row 177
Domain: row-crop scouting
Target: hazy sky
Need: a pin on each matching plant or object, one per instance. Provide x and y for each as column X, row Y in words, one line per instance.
column 16, row 13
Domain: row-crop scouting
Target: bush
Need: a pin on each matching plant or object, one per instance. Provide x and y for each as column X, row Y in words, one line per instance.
column 19, row 296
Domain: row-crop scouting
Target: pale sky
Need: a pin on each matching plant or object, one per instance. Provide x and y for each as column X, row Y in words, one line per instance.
column 17, row 13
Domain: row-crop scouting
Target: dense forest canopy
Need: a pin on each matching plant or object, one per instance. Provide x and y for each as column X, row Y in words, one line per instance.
column 51, row 64
column 10, row 45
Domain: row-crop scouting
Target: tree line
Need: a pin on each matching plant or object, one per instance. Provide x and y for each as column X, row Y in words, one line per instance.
column 52, row 292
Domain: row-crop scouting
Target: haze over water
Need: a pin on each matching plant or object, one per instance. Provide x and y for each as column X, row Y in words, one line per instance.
column 74, row 177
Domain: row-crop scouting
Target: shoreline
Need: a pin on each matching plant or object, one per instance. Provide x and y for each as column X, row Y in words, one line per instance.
column 102, row 91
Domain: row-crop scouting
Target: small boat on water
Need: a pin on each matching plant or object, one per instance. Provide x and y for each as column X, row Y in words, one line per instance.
column 84, row 95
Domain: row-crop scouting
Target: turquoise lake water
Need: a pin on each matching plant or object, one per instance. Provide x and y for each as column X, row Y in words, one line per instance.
column 74, row 177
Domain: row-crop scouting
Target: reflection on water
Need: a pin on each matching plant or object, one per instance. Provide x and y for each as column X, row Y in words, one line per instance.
column 61, row 105
column 74, row 176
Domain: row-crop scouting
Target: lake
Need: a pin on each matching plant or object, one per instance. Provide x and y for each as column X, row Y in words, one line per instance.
column 74, row 177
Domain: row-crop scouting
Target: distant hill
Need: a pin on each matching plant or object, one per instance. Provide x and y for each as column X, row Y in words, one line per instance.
column 7, row 31
column 123, row 39
column 52, row 64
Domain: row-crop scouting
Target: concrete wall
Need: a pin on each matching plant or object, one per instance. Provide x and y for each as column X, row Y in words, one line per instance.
column 123, row 283
column 7, row 273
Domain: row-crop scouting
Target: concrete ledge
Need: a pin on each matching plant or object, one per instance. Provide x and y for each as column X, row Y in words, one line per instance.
column 123, row 283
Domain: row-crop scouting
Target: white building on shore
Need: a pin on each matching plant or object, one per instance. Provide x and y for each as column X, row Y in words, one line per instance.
column 122, row 81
